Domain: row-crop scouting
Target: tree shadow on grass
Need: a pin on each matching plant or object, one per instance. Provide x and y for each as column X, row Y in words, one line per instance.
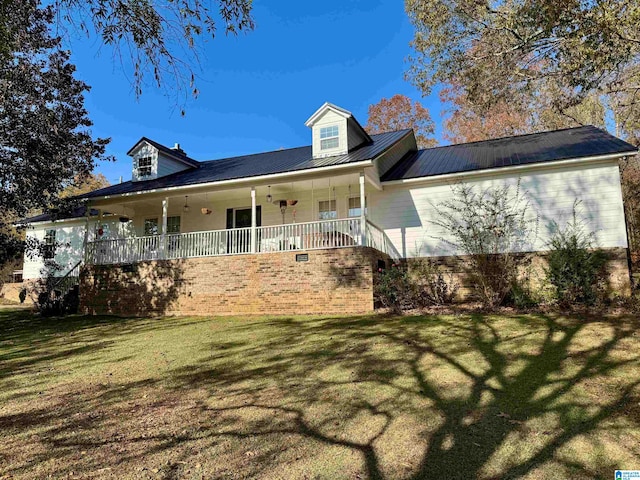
column 487, row 411
column 369, row 397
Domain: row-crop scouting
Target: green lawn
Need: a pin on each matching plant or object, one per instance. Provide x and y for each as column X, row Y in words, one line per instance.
column 436, row 397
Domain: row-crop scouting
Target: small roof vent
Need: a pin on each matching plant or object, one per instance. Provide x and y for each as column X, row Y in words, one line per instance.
column 176, row 148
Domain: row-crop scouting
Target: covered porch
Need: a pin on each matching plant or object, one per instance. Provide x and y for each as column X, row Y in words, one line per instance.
column 205, row 221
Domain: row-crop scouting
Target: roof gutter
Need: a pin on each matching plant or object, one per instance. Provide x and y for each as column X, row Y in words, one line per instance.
column 502, row 170
column 240, row 181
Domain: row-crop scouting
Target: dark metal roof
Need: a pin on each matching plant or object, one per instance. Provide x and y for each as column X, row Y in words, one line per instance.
column 246, row 166
column 76, row 212
column 177, row 154
column 509, row 151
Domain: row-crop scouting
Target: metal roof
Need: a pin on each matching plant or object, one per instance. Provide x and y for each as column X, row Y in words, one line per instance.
column 75, row 212
column 247, row 166
column 564, row 144
column 173, row 153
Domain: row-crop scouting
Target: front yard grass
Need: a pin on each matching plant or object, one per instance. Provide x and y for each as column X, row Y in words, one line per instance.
column 470, row 396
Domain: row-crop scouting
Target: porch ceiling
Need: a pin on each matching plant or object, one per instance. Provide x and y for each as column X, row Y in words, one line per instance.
column 280, row 190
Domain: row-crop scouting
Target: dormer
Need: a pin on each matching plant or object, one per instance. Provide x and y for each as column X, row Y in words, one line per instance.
column 335, row 131
column 152, row 160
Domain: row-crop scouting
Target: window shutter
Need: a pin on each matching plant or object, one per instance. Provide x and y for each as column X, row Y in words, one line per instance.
column 229, row 218
column 258, row 216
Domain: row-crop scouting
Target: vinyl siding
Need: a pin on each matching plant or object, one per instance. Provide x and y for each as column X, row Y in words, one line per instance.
column 406, row 212
column 69, row 251
column 194, row 220
column 167, row 166
column 144, row 151
column 328, row 119
column 70, row 240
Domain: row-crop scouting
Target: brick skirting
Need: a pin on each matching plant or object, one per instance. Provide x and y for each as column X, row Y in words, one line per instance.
column 331, row 281
column 11, row 291
column 533, row 273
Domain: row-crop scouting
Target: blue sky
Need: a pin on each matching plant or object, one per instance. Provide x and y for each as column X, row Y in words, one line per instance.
column 257, row 90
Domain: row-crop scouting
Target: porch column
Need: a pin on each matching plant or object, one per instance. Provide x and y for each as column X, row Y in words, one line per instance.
column 363, row 217
column 85, row 242
column 254, row 221
column 163, row 237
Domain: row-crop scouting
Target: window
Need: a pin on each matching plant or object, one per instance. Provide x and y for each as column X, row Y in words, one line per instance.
column 144, row 166
column 327, row 210
column 173, row 224
column 329, row 137
column 49, row 249
column 151, row 227
column 354, row 206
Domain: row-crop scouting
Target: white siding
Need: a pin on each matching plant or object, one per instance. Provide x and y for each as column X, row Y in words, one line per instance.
column 145, row 150
column 69, row 240
column 406, row 212
column 167, row 166
column 161, row 165
column 330, row 118
column 194, row 221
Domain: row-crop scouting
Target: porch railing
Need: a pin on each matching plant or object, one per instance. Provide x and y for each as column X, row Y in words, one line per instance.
column 306, row 236
column 376, row 238
column 336, row 233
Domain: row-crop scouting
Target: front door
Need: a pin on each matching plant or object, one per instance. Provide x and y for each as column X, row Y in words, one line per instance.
column 242, row 218
column 240, row 242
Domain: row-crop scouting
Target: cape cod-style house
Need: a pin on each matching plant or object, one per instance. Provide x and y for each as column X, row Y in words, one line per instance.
column 303, row 230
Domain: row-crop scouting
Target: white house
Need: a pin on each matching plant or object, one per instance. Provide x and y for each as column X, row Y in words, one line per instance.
column 301, row 230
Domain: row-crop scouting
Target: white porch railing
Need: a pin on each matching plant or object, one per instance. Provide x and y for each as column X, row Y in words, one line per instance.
column 376, row 238
column 337, row 233
column 306, row 236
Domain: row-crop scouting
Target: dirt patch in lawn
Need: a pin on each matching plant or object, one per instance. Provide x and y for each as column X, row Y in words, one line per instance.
column 469, row 396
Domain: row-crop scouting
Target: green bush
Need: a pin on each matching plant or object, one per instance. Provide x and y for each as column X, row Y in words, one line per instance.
column 490, row 227
column 400, row 288
column 394, row 288
column 576, row 269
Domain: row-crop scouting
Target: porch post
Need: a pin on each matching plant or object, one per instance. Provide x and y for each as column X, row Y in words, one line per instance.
column 163, row 237
column 85, row 242
column 254, row 221
column 363, row 218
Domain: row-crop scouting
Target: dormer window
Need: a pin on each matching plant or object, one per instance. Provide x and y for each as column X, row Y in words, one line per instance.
column 145, row 166
column 334, row 131
column 329, row 137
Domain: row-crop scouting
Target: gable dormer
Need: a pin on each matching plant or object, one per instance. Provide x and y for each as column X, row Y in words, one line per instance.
column 152, row 160
column 335, row 131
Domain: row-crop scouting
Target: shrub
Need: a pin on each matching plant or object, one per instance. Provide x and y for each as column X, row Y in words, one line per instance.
column 394, row 288
column 54, row 303
column 490, row 227
column 432, row 286
column 576, row 269
column 424, row 284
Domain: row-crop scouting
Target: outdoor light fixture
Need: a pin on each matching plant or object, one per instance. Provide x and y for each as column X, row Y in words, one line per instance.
column 186, row 209
column 269, row 197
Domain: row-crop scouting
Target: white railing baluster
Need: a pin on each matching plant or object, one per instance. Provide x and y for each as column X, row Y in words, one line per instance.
column 336, row 233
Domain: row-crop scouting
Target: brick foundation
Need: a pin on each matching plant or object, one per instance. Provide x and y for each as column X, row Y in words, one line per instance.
column 533, row 274
column 11, row 291
column 332, row 281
